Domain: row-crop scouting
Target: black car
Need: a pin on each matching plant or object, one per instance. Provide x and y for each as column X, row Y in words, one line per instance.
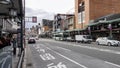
column 31, row 40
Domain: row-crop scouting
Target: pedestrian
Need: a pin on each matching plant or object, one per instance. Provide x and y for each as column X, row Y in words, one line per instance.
column 14, row 41
column 1, row 44
column 4, row 40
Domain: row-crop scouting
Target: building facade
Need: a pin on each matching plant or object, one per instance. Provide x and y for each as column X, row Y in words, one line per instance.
column 70, row 22
column 63, row 22
column 88, row 10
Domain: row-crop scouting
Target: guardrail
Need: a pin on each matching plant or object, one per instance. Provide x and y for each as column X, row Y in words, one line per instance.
column 20, row 63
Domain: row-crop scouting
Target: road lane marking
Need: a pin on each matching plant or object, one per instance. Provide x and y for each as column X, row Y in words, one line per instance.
column 50, row 64
column 59, row 65
column 112, row 64
column 47, row 56
column 60, row 47
column 68, row 58
column 42, row 57
column 63, row 48
column 41, row 50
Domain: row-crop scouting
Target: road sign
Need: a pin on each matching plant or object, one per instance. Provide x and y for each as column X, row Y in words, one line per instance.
column 32, row 19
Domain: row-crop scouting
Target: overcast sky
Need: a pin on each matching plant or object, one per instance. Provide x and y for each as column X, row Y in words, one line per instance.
column 45, row 9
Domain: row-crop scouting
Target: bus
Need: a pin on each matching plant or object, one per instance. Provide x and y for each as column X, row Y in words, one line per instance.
column 58, row 36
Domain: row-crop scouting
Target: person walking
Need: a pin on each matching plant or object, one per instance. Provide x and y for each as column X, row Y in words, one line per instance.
column 14, row 41
column 1, row 43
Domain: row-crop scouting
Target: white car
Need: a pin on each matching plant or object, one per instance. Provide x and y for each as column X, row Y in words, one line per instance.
column 107, row 41
column 83, row 38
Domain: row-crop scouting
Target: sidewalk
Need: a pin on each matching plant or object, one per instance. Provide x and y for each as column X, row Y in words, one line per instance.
column 27, row 58
column 15, row 59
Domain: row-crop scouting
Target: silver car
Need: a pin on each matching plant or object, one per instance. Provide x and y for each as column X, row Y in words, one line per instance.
column 107, row 41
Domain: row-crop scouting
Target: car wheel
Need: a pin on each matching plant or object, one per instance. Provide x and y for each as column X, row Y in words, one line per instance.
column 98, row 43
column 89, row 42
column 109, row 44
column 118, row 44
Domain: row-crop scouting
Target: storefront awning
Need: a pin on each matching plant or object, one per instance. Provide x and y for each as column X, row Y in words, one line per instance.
column 13, row 31
column 105, row 22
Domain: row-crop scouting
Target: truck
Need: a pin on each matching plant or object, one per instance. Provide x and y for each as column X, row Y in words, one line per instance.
column 83, row 38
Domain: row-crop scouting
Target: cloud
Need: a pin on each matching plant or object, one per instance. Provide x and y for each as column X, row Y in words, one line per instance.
column 40, row 13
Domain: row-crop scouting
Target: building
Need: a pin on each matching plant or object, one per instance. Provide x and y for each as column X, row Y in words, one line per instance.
column 88, row 10
column 47, row 25
column 69, row 21
column 63, row 22
column 97, row 18
column 47, row 28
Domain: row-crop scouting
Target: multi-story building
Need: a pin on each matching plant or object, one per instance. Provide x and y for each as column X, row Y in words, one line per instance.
column 63, row 22
column 70, row 22
column 47, row 27
column 88, row 10
column 97, row 17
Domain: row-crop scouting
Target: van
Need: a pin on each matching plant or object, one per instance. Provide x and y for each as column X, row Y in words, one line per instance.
column 83, row 38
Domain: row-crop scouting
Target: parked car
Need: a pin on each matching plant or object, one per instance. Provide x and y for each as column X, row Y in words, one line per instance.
column 107, row 41
column 83, row 38
column 31, row 40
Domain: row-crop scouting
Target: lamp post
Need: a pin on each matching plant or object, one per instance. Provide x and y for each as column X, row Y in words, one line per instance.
column 110, row 28
column 89, row 29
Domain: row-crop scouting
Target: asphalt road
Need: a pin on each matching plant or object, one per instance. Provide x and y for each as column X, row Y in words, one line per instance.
column 47, row 53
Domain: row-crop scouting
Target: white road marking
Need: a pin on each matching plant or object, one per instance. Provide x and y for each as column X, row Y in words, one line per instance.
column 63, row 48
column 47, row 56
column 42, row 57
column 60, row 47
column 59, row 65
column 68, row 58
column 112, row 64
column 50, row 64
column 42, row 50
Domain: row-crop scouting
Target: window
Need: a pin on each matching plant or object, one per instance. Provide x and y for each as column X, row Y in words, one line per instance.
column 81, row 17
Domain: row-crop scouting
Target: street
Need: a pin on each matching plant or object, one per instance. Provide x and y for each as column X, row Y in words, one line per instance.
column 48, row 53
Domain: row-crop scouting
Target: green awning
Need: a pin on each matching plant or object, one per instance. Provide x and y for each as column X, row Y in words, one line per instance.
column 113, row 21
column 68, row 30
column 93, row 24
column 105, row 22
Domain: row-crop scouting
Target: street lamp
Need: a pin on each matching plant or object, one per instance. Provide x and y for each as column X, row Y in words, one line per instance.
column 89, row 29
